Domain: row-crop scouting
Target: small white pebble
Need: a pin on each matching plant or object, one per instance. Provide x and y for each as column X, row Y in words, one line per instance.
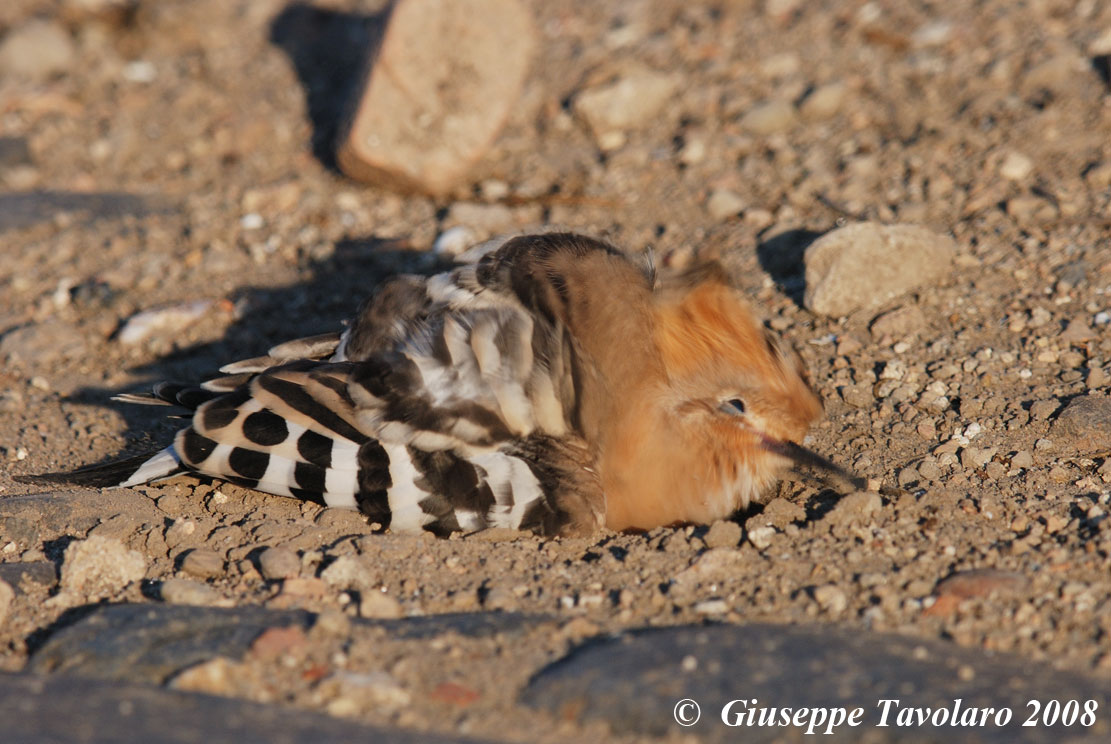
column 454, row 241
column 251, row 221
column 140, row 71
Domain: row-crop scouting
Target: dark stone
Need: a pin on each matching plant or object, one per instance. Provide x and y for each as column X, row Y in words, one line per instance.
column 633, row 683
column 1084, row 425
column 151, row 643
column 14, row 152
column 24, row 209
column 36, row 572
column 51, row 710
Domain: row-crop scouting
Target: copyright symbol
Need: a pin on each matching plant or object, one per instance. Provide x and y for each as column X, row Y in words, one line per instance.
column 686, row 712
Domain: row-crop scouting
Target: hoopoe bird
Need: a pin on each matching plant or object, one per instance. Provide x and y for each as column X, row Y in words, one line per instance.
column 553, row 385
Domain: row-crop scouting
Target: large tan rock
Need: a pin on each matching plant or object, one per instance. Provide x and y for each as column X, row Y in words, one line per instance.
column 867, row 264
column 438, row 92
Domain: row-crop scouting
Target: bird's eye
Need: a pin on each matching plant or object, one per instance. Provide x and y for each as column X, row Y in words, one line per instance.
column 734, row 406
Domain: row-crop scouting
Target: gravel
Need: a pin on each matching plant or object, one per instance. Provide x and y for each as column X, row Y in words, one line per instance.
column 976, row 382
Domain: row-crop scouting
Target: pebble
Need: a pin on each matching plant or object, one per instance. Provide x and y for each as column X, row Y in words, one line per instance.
column 162, row 321
column 831, row 599
column 711, row 607
column 901, row 322
column 1043, row 409
column 980, row 582
column 723, row 534
column 484, row 219
column 188, row 592
column 977, row 457
column 724, row 204
column 349, row 572
column 36, row 50
column 278, row 641
column 714, row 562
column 7, row 596
column 218, row 676
column 824, row 102
column 278, row 563
column 203, row 563
column 867, row 264
column 1084, row 425
column 98, row 566
column 761, row 537
column 454, row 241
column 1016, row 166
column 778, row 513
column 351, row 694
column 769, row 118
column 377, row 604
column 430, row 111
column 854, row 507
column 628, row 102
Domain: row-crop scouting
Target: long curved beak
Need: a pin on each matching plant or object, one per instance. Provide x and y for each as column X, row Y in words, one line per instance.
column 828, row 472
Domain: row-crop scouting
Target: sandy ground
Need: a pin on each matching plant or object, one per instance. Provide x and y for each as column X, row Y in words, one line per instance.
column 988, row 122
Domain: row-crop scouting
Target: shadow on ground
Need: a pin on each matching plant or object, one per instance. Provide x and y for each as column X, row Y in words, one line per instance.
column 781, row 256
column 332, row 52
column 272, row 315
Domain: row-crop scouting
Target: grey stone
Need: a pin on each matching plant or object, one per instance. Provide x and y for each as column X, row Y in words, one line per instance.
column 279, row 563
column 202, row 563
column 50, row 710
column 430, row 110
column 151, row 643
column 633, row 682
column 866, row 265
column 1084, row 425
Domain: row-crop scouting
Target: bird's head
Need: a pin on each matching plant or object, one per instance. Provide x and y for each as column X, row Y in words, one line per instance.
column 728, row 416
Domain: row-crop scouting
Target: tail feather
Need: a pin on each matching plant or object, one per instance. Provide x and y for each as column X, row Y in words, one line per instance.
column 130, row 471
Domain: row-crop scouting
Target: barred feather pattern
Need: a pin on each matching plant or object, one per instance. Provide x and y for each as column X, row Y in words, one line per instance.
column 550, row 386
